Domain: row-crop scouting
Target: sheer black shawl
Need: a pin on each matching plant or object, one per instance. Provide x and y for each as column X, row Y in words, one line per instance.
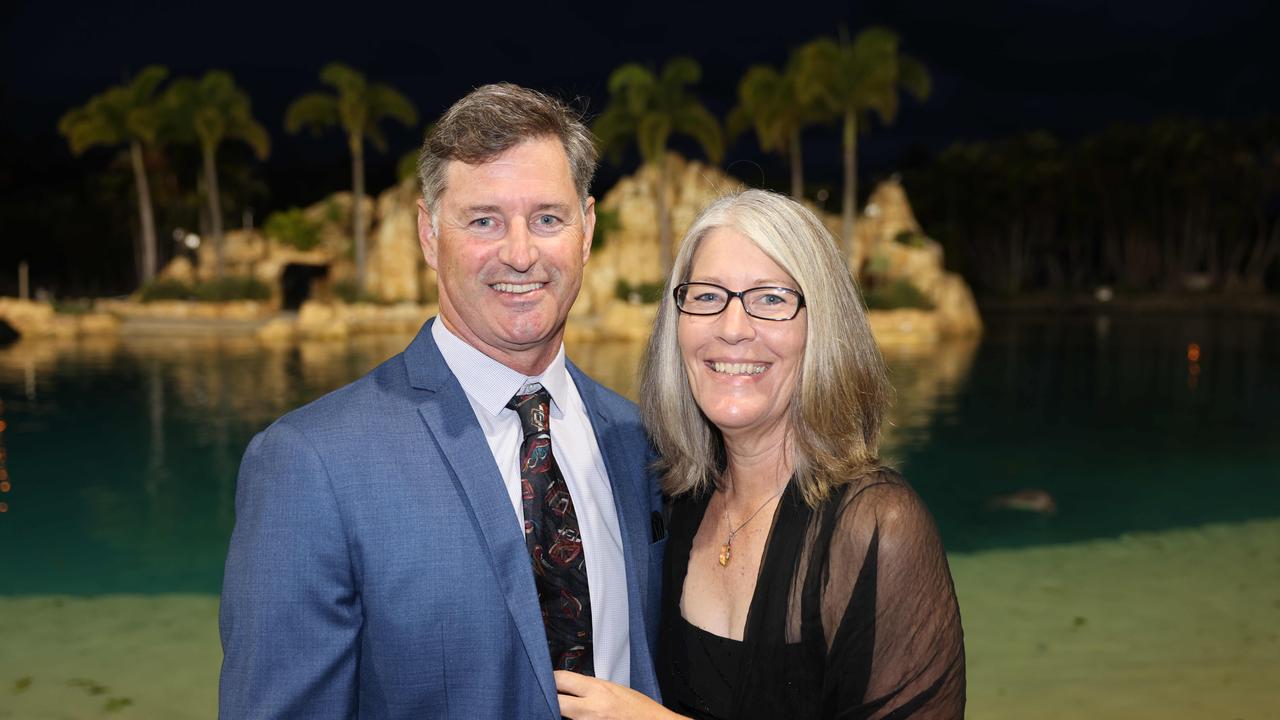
column 854, row 613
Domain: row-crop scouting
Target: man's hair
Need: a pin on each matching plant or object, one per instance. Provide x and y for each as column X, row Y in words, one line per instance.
column 492, row 119
column 842, row 391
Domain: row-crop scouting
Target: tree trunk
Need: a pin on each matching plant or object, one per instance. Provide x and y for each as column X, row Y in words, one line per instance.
column 357, row 212
column 215, row 209
column 850, row 209
column 664, row 218
column 146, row 214
column 797, row 166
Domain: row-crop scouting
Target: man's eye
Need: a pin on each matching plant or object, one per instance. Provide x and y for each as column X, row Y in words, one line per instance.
column 547, row 220
column 484, row 222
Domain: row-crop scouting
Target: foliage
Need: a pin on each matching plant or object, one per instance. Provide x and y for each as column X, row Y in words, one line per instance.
column 347, row 292
column 119, row 115
column 206, row 112
column 292, row 227
column 355, row 105
column 125, row 115
column 217, row 290
column 210, row 110
column 645, row 292
column 848, row 81
column 649, row 107
column 895, row 295
column 358, row 107
column 1140, row 207
column 73, row 306
column 910, row 238
column 607, row 223
column 770, row 103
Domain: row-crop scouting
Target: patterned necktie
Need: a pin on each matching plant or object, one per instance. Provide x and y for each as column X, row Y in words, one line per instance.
column 555, row 545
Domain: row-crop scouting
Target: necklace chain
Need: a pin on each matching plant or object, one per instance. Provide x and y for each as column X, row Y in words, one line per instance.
column 726, row 550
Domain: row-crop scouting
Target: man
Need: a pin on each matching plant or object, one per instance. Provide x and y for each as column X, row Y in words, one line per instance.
column 400, row 542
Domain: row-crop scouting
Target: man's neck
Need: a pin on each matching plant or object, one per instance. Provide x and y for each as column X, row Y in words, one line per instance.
column 530, row 362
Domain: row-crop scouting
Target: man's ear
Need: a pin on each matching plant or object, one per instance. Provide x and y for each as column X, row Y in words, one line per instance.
column 426, row 236
column 588, row 228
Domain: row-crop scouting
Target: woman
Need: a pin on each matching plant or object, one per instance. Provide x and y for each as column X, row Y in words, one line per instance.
column 803, row 579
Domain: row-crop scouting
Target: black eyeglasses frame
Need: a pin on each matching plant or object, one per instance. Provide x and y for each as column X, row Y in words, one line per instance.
column 741, row 295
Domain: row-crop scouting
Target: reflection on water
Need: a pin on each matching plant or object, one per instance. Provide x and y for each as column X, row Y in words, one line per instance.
column 123, row 452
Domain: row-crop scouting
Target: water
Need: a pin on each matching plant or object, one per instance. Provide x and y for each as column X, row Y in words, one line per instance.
column 122, row 454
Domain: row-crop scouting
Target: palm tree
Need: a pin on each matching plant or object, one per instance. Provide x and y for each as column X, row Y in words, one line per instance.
column 358, row 107
column 769, row 102
column 206, row 112
column 849, row 80
column 649, row 108
column 124, row 115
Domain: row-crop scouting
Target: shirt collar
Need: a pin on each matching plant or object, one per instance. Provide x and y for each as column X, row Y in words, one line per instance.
column 490, row 383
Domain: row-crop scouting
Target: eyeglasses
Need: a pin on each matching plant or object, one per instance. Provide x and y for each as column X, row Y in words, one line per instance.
column 766, row 303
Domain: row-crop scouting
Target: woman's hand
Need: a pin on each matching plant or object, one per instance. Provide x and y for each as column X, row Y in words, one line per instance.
column 588, row 698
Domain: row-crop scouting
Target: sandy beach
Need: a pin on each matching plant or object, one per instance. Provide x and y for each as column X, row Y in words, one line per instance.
column 1172, row 625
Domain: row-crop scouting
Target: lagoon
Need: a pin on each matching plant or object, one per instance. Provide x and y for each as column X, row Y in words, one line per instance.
column 1156, row 435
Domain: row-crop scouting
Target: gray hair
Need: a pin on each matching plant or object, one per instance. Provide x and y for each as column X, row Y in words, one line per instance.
column 842, row 392
column 492, row 119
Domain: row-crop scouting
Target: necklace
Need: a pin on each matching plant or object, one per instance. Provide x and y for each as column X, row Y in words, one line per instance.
column 726, row 550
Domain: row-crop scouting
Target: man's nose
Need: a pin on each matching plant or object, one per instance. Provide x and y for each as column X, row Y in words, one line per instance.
column 519, row 251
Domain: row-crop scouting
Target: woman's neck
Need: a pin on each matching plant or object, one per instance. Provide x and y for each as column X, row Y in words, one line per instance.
column 756, row 469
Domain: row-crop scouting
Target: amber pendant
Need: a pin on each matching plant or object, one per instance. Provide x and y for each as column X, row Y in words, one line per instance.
column 726, row 553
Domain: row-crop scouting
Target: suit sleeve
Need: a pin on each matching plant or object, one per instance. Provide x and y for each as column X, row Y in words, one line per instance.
column 290, row 617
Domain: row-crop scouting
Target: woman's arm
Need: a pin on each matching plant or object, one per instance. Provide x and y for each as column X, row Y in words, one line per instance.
column 893, row 624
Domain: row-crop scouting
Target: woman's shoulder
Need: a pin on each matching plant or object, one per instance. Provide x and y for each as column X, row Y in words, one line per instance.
column 883, row 504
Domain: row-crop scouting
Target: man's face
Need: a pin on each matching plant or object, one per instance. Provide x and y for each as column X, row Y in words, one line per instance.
column 510, row 243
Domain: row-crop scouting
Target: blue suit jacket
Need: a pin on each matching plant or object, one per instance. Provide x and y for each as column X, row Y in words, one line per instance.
column 377, row 570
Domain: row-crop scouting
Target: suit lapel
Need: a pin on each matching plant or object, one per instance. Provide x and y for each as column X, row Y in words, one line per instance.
column 451, row 422
column 626, row 479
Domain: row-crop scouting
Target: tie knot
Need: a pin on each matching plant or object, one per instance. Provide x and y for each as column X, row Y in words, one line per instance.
column 533, row 409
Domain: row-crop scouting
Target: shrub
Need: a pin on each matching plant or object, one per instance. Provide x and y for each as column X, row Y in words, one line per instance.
column 164, row 289
column 217, row 290
column 910, row 239
column 76, row 306
column 896, row 295
column 645, row 292
column 345, row 290
column 238, row 287
column 291, row 227
column 607, row 222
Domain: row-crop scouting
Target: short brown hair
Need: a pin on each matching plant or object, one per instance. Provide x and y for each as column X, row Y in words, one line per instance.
column 842, row 392
column 492, row 119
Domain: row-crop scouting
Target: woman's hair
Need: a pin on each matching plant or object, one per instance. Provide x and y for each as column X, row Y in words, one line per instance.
column 842, row 391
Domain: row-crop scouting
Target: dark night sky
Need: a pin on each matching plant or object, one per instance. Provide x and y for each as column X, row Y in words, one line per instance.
column 1068, row 66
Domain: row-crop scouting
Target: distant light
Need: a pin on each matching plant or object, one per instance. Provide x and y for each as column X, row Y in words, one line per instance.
column 1193, row 352
column 192, row 241
column 5, row 486
column 3, row 425
column 4, row 507
column 873, row 210
column 4, row 475
column 1104, row 294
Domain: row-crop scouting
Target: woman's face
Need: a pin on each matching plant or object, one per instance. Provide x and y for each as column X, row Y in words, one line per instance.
column 742, row 370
